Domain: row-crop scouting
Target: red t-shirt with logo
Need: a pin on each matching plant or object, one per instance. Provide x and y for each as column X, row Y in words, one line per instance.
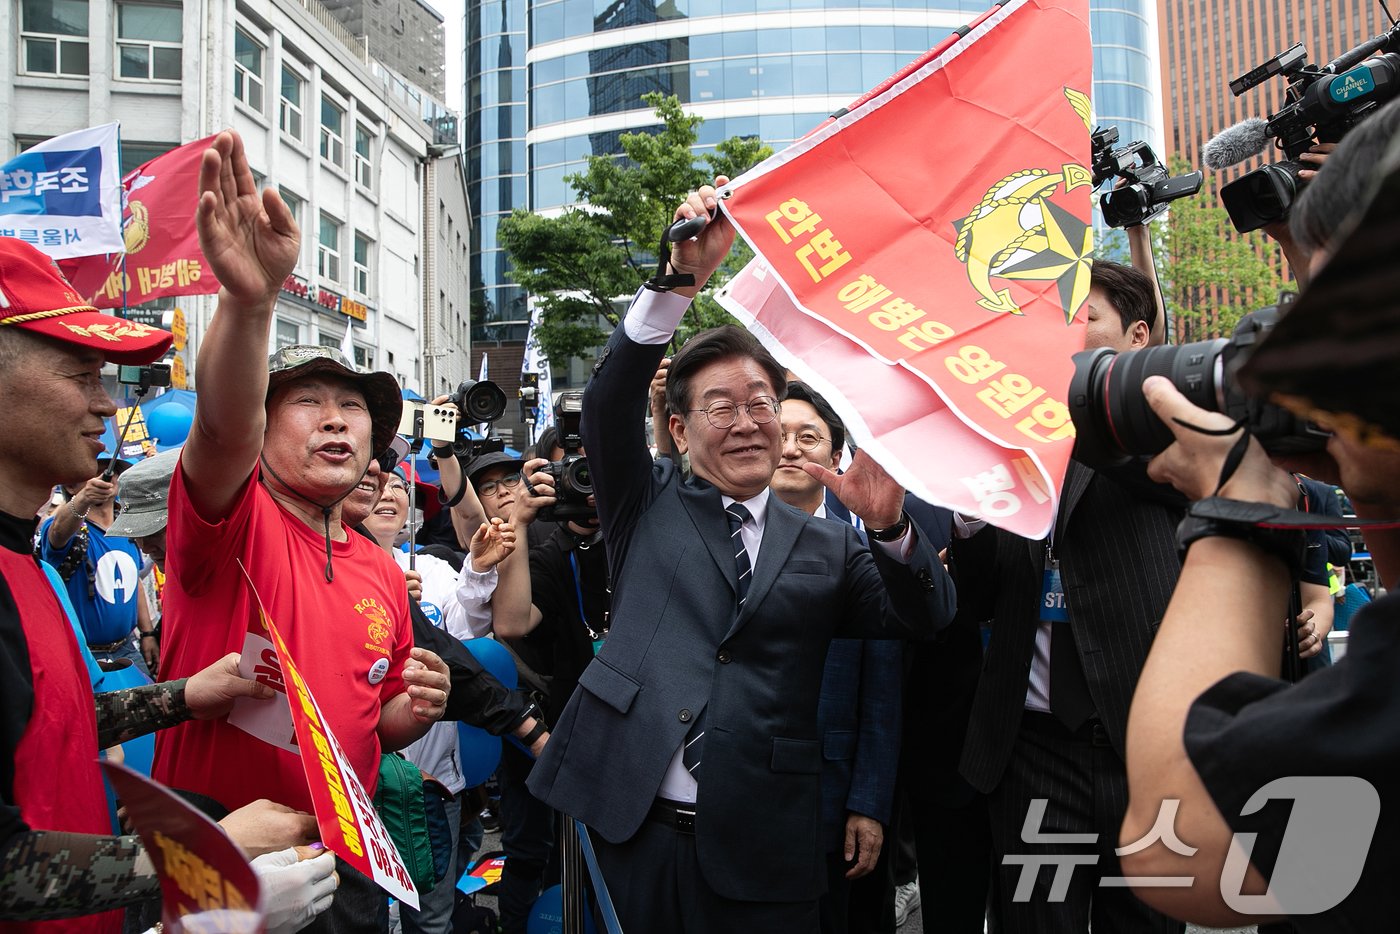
column 336, row 631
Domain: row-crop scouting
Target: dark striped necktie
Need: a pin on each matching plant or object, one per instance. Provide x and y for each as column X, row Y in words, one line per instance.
column 737, row 515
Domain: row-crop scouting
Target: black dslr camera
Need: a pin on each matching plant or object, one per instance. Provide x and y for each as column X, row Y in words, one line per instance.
column 573, row 483
column 479, row 401
column 1322, row 104
column 1149, row 187
column 1113, row 422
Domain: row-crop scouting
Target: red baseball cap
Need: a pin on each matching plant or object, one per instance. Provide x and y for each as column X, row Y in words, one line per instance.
column 35, row 296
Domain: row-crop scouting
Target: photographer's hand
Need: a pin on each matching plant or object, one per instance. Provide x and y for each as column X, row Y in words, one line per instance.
column 1193, row 462
column 536, row 492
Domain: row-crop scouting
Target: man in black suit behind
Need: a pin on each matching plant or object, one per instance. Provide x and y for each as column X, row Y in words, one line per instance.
column 1051, row 708
column 691, row 748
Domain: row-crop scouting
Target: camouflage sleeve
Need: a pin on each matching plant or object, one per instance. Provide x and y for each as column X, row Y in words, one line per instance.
column 45, row 874
column 125, row 715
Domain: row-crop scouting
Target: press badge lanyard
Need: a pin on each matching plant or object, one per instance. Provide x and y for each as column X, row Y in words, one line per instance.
column 593, row 634
column 1052, row 596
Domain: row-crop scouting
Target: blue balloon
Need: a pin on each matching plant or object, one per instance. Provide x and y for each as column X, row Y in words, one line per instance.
column 169, row 424
column 496, row 659
column 547, row 914
column 481, row 752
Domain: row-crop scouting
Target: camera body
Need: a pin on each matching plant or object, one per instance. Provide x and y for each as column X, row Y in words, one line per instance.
column 1321, row 105
column 1150, row 188
column 152, row 375
column 573, row 483
column 1114, row 424
column 479, row 401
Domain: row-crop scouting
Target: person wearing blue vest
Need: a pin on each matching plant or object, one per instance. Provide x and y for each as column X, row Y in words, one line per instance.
column 101, row 573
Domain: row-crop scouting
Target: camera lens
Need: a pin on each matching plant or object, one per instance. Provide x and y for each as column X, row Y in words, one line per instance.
column 1112, row 419
column 579, row 477
column 482, row 401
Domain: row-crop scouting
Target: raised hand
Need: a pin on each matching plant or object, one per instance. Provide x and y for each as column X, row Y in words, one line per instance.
column 865, row 489
column 250, row 241
column 702, row 255
column 492, row 544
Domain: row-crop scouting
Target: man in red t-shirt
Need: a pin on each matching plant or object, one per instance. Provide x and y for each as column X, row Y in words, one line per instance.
column 274, row 449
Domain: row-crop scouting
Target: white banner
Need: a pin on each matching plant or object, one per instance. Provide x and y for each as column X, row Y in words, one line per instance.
column 64, row 195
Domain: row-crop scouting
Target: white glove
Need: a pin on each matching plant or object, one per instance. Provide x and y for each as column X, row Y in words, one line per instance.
column 295, row 890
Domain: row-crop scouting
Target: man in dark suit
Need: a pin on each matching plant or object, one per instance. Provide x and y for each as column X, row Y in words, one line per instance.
column 859, row 711
column 1072, row 618
column 691, row 747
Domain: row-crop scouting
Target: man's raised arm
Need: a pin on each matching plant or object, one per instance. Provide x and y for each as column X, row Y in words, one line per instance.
column 614, row 404
column 251, row 242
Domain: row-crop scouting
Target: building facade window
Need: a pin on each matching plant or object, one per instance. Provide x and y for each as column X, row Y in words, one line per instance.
column 148, row 41
column 248, row 70
column 364, row 156
column 364, row 357
column 332, row 131
column 294, row 203
column 290, row 109
column 287, row 333
column 328, row 249
column 361, row 281
column 54, row 37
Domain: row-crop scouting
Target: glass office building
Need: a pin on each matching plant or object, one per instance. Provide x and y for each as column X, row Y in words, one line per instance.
column 551, row 84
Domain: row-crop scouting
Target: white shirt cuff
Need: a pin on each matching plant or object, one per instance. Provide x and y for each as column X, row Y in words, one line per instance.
column 654, row 316
column 902, row 548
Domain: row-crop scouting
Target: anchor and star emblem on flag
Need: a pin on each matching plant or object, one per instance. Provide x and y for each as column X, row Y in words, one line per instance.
column 1017, row 232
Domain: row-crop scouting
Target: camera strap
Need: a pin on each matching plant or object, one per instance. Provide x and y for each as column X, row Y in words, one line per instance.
column 663, row 281
column 1269, row 516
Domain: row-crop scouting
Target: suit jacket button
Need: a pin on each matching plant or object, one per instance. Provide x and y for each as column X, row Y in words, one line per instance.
column 724, row 658
column 684, row 715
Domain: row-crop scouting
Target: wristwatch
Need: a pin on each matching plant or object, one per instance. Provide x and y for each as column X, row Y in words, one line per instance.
column 891, row 534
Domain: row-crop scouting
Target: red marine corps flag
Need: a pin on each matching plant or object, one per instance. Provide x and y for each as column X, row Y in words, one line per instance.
column 162, row 246
column 923, row 261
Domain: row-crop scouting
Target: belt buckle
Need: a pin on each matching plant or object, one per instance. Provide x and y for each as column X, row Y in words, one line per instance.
column 685, row 821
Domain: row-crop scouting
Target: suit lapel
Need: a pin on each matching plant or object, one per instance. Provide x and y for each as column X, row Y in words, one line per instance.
column 780, row 530
column 703, row 504
column 1077, row 479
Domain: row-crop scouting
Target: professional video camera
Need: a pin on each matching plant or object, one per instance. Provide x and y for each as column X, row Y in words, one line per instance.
column 1322, row 104
column 479, row 401
column 1113, row 422
column 1149, row 187
column 573, row 483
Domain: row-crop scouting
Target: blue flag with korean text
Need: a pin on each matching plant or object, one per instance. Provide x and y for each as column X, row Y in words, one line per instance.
column 64, row 195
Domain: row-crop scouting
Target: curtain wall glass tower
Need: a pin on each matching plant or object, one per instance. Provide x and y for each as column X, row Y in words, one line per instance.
column 551, row 83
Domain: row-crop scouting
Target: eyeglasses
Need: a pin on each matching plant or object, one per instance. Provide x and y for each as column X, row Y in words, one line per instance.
column 510, row 481
column 805, row 440
column 723, row 414
column 397, row 486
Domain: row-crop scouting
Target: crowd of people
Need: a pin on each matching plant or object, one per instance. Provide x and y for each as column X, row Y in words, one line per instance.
column 779, row 692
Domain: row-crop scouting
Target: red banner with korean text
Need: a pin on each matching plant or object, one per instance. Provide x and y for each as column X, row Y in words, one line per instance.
column 206, row 884
column 350, row 827
column 924, row 258
column 162, row 244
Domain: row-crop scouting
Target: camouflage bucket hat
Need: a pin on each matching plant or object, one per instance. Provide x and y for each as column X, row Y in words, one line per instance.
column 381, row 391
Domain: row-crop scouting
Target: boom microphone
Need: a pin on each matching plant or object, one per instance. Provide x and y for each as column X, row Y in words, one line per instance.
column 1235, row 144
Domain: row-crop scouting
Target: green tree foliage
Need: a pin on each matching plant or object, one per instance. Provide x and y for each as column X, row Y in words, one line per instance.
column 1210, row 274
column 582, row 266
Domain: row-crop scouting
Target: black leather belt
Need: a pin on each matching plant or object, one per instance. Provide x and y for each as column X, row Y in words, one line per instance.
column 674, row 814
column 1092, row 731
column 108, row 647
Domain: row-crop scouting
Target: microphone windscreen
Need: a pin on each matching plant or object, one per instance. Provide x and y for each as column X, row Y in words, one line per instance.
column 1235, row 144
